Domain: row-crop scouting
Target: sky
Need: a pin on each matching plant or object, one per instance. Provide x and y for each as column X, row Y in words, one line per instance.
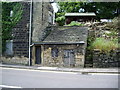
column 55, row 7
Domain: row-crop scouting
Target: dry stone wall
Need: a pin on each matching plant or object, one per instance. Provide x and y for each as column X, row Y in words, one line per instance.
column 14, row 60
column 99, row 59
column 106, row 60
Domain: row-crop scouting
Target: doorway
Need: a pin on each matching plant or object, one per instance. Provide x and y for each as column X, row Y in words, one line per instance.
column 38, row 55
column 69, row 58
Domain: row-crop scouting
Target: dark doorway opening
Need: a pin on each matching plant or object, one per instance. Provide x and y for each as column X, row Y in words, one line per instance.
column 38, row 55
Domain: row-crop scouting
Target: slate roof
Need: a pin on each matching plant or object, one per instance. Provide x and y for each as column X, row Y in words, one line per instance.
column 80, row 14
column 67, row 35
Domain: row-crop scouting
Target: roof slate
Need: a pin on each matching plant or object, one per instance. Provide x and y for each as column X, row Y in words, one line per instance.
column 67, row 35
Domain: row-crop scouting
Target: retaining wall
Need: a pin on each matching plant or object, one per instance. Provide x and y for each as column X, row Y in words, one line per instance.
column 106, row 60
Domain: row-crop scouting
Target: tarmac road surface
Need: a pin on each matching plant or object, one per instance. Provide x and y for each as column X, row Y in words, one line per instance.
column 25, row 78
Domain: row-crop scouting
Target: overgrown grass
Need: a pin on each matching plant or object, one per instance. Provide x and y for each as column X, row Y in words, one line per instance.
column 74, row 23
column 104, row 45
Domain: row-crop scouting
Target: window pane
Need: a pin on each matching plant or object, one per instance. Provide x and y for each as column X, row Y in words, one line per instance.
column 54, row 52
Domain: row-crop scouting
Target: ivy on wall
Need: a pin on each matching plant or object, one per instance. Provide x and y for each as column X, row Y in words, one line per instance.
column 11, row 14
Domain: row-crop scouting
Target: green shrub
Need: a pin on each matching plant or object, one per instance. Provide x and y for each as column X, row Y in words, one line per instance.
column 60, row 20
column 104, row 45
column 74, row 23
column 112, row 33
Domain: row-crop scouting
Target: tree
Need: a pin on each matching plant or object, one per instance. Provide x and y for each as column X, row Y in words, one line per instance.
column 101, row 9
column 11, row 14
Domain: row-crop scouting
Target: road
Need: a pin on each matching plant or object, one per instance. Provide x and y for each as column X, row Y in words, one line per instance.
column 23, row 78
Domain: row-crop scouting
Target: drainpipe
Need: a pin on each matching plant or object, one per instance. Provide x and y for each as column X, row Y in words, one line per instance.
column 30, row 30
column 53, row 17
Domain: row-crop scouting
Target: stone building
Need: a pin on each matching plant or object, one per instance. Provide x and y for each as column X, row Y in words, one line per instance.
column 20, row 33
column 64, row 46
column 41, row 18
column 50, row 45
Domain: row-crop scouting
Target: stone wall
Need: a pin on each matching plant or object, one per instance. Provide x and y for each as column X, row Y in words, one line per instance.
column 21, row 33
column 106, row 60
column 14, row 60
column 48, row 60
column 89, row 53
column 97, row 59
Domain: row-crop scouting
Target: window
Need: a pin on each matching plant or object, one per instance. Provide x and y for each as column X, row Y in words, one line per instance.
column 9, row 46
column 66, row 54
column 54, row 52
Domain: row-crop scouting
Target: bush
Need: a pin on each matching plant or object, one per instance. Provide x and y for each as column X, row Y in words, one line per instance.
column 74, row 23
column 104, row 45
column 60, row 20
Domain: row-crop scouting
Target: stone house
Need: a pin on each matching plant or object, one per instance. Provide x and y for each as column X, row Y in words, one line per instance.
column 37, row 19
column 50, row 45
column 64, row 46
column 41, row 18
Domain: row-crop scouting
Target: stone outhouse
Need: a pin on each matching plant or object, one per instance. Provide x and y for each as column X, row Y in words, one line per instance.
column 63, row 47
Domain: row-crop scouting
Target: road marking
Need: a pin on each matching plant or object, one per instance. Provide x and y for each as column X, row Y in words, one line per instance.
column 46, row 71
column 103, row 74
column 6, row 86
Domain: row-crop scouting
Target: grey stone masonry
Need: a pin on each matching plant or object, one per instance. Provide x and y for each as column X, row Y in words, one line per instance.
column 14, row 60
column 41, row 12
column 106, row 60
column 21, row 33
column 63, row 46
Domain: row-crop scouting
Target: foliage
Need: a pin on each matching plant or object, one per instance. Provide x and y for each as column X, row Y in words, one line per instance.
column 113, row 33
column 74, row 23
column 101, row 9
column 64, row 8
column 115, row 24
column 8, row 22
column 61, row 20
column 69, row 6
column 104, row 45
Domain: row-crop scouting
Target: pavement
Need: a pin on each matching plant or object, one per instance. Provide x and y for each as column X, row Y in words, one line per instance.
column 80, row 70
